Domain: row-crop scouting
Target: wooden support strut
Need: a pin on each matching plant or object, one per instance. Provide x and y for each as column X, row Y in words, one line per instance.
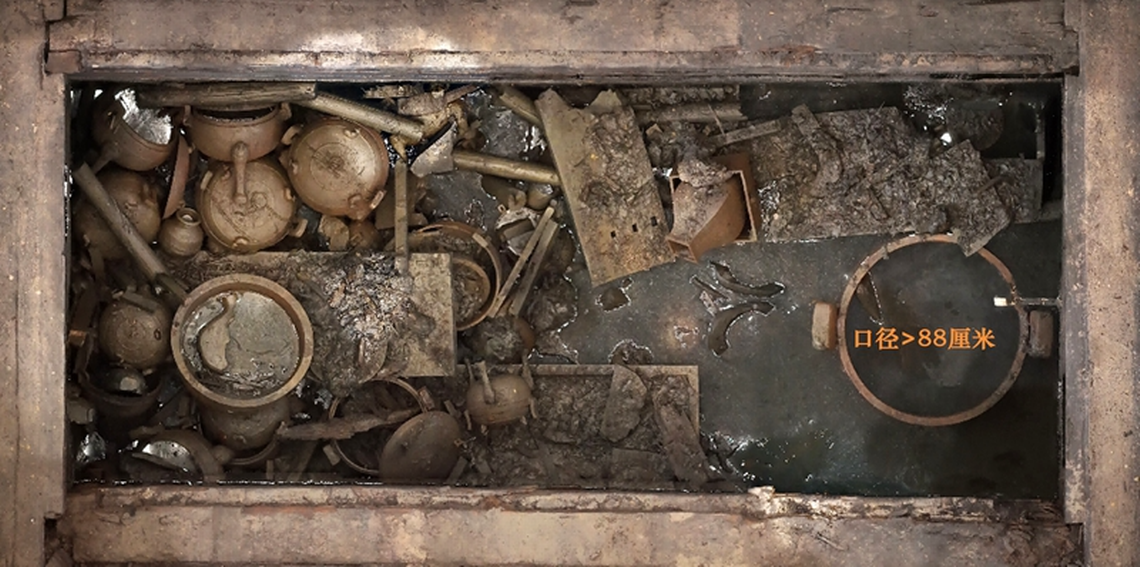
column 125, row 231
column 516, row 271
column 691, row 42
column 534, row 266
column 401, row 215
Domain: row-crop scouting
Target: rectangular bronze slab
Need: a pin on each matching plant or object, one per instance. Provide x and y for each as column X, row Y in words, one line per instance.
column 608, row 183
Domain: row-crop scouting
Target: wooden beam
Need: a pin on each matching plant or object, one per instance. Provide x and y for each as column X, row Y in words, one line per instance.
column 32, row 288
column 9, row 381
column 549, row 40
column 386, row 525
column 1101, row 291
column 1074, row 351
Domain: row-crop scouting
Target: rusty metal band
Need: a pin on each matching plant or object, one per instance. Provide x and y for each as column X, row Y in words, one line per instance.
column 914, row 419
column 358, row 467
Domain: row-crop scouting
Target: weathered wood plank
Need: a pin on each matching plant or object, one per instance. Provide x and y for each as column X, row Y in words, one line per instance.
column 1101, row 244
column 544, row 40
column 386, row 525
column 758, row 503
column 42, row 301
column 985, row 27
column 32, row 295
column 1074, row 322
column 9, row 383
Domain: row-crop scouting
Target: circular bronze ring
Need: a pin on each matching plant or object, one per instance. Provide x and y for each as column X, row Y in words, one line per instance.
column 336, row 404
column 245, row 283
column 462, row 230
column 849, row 368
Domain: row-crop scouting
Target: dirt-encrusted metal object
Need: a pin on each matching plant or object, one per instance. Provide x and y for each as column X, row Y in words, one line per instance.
column 244, row 430
column 469, row 243
column 728, row 299
column 225, row 95
column 423, row 449
column 433, row 102
column 185, row 450
column 849, row 294
column 534, row 266
column 717, row 338
column 255, row 459
column 518, row 102
column 226, row 135
column 679, row 438
column 135, row 138
column 338, row 167
column 436, row 158
column 135, row 330
column 363, row 235
column 1020, row 184
column 241, row 342
column 739, row 169
column 355, row 450
column 393, row 92
column 626, row 397
column 180, row 176
column 135, row 196
column 609, row 185
column 400, row 215
column 1041, row 331
column 123, row 393
column 711, row 113
column 535, row 237
column 370, row 320
column 246, row 217
column 501, row 339
column 868, row 172
column 590, row 418
column 824, row 317
column 339, row 428
column 499, row 400
column 383, row 121
column 122, row 227
column 505, row 168
column 706, row 217
column 472, row 289
column 745, row 133
column 181, row 235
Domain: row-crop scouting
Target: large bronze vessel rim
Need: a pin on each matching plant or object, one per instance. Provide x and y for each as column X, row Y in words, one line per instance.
column 911, row 418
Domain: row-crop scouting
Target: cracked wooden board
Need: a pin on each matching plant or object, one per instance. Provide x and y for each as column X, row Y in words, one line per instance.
column 421, row 525
column 608, row 183
column 668, row 42
column 33, row 293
